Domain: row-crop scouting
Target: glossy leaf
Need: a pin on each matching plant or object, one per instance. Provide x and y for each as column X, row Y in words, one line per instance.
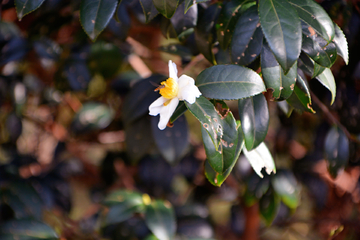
column 228, row 82
column 24, row 7
column 149, row 9
column 166, row 7
column 326, row 78
column 183, row 22
column 317, row 48
column 309, row 66
column 316, row 17
column 227, row 20
column 140, row 97
column 27, row 229
column 336, row 150
column 222, row 159
column 160, row 219
column 254, row 117
column 274, row 77
column 95, row 15
column 215, row 178
column 247, row 38
column 341, row 44
column 282, row 29
column 205, row 32
column 209, row 118
column 171, row 142
column 268, row 206
column 260, row 158
column 287, row 187
column 121, row 196
column 189, row 3
column 300, row 99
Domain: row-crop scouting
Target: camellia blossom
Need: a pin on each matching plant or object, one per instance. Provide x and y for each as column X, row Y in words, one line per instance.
column 172, row 91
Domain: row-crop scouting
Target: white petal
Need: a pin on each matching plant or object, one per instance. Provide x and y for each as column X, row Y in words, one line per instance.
column 166, row 113
column 187, row 89
column 173, row 70
column 185, row 80
column 156, row 106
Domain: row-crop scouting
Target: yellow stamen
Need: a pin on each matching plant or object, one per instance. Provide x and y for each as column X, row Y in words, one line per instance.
column 170, row 90
column 146, row 199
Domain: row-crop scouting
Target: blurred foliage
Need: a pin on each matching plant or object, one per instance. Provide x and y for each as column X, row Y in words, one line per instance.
column 80, row 157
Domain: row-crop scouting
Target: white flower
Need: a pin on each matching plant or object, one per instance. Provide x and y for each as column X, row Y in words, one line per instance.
column 172, row 91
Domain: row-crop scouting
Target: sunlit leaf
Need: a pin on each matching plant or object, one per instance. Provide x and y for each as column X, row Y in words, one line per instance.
column 300, row 99
column 287, row 187
column 260, row 158
column 166, row 7
column 341, row 44
column 27, row 229
column 326, row 78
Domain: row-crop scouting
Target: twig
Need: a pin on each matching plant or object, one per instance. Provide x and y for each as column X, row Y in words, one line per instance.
column 192, row 63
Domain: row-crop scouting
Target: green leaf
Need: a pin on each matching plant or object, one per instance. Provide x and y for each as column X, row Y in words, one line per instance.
column 255, row 188
column 205, row 31
column 140, row 97
column 171, row 142
column 160, row 219
column 317, row 48
column 269, row 206
column 316, row 17
column 282, row 29
column 24, row 7
column 301, row 99
column 228, row 17
column 228, row 82
column 247, row 39
column 179, row 111
column 166, row 7
column 19, row 207
column 274, row 77
column 309, row 66
column 341, row 44
column 189, row 3
column 27, row 229
column 139, row 139
column 260, row 158
column 215, row 178
column 336, row 150
column 121, row 196
column 95, row 15
column 209, row 118
column 184, row 23
column 222, row 159
column 287, row 187
column 149, row 9
column 326, row 78
column 254, row 116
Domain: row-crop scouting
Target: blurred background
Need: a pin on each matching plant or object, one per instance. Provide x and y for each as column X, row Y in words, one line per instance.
column 74, row 127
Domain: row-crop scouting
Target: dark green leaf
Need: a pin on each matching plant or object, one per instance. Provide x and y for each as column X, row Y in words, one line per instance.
column 228, row 17
column 259, row 158
column 286, row 186
column 216, row 178
column 19, row 207
column 121, row 196
column 309, row 66
column 247, row 39
column 179, row 111
column 179, row 50
column 336, row 150
column 139, row 138
column 189, row 3
column 274, row 77
column 268, row 206
column 167, row 28
column 326, row 78
column 160, row 219
column 120, row 213
column 171, row 142
column 300, row 99
column 149, row 10
column 254, row 117
column 205, row 31
column 140, row 97
column 184, row 23
column 209, row 118
column 228, row 82
column 316, row 17
column 27, row 229
column 166, row 7
column 282, row 29
column 341, row 44
column 222, row 159
column 317, row 48
column 24, row 7
column 255, row 188
column 95, row 15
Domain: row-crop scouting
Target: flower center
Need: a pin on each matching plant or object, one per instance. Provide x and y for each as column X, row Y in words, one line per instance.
column 170, row 90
